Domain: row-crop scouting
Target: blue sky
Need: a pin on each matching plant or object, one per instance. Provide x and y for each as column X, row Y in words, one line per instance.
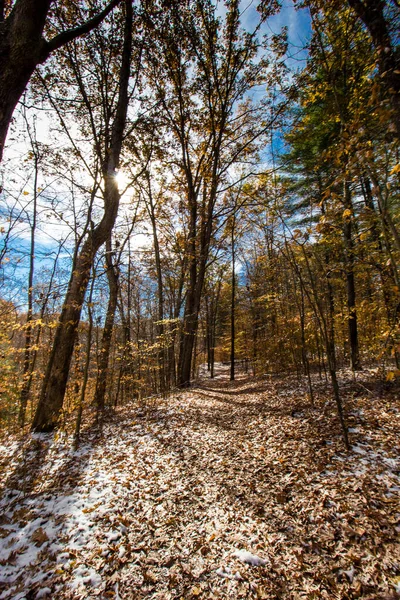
column 297, row 22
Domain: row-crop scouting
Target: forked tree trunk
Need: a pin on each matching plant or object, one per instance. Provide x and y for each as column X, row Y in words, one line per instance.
column 57, row 372
column 192, row 304
column 56, row 378
column 190, row 322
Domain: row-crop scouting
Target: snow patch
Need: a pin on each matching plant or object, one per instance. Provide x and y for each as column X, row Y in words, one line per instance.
column 250, row 559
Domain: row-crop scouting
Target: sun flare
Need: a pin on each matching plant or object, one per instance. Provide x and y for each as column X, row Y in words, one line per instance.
column 122, row 180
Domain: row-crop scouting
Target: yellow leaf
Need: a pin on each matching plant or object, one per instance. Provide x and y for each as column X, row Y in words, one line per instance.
column 196, row 591
column 395, row 169
column 346, row 213
column 26, row 193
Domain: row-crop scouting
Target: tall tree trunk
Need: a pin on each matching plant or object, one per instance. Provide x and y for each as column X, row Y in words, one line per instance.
column 55, row 381
column 82, row 392
column 190, row 323
column 233, row 284
column 187, row 339
column 26, row 381
column 162, row 353
column 113, row 282
column 197, row 270
column 325, row 321
column 208, row 333
column 213, row 324
column 350, row 280
column 192, row 304
column 304, row 354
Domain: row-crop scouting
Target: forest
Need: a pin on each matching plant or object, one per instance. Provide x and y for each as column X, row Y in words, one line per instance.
column 200, row 299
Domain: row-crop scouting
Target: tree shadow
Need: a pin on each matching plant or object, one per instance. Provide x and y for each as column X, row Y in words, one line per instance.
column 36, row 467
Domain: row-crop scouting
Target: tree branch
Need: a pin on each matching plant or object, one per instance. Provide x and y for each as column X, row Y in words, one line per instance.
column 67, row 36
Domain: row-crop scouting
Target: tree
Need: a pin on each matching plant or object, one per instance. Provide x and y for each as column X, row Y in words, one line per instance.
column 56, row 377
column 23, row 48
column 372, row 14
column 201, row 72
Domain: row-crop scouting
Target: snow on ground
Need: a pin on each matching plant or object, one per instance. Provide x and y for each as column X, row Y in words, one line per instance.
column 229, row 490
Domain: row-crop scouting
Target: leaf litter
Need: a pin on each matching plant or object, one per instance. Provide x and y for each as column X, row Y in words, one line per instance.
column 227, row 490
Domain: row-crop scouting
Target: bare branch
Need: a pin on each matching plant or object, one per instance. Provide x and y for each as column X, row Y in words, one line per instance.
column 68, row 36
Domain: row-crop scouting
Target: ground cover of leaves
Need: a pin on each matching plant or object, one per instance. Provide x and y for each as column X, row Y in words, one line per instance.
column 165, row 502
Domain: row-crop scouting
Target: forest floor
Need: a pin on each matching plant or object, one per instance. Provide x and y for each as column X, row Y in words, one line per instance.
column 227, row 490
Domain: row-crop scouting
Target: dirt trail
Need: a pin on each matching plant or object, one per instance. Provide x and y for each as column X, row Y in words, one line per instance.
column 163, row 503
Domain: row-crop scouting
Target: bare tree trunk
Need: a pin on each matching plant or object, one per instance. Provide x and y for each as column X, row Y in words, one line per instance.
column 187, row 343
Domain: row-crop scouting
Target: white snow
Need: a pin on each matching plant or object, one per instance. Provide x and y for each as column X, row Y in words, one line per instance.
column 250, row 559
column 43, row 593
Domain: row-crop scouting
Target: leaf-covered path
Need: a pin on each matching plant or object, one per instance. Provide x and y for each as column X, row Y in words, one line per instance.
column 228, row 490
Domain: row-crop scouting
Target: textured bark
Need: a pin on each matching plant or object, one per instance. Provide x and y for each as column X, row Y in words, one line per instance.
column 56, row 378
column 23, row 48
